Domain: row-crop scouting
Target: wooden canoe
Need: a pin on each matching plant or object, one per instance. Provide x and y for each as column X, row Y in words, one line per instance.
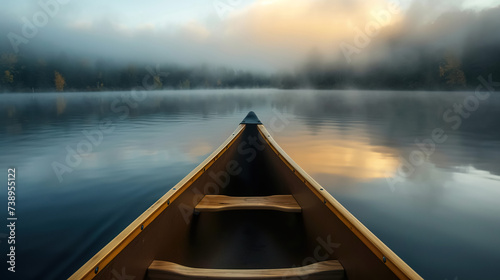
column 247, row 212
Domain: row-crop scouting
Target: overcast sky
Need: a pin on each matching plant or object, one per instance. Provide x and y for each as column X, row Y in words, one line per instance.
column 261, row 34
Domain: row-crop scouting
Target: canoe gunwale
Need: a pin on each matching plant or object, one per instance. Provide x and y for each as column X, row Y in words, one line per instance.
column 117, row 244
column 392, row 261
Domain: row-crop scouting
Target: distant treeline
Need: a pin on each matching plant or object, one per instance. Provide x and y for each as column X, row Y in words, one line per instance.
column 65, row 73
column 443, row 70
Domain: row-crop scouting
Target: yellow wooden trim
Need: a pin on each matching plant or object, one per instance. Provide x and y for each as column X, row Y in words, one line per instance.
column 331, row 269
column 395, row 264
column 215, row 203
column 115, row 246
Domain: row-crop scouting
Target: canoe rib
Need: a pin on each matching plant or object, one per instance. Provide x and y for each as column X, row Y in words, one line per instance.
column 331, row 269
column 215, row 203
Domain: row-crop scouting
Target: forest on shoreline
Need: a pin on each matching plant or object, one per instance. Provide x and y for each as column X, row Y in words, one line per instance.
column 437, row 71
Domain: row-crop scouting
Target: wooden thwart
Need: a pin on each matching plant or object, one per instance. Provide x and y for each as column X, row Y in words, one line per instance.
column 331, row 269
column 214, row 203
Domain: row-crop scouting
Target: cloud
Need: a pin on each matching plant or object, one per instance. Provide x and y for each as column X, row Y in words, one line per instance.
column 263, row 35
column 282, row 31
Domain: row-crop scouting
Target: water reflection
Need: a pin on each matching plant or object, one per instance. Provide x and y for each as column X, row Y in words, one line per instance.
column 336, row 153
column 60, row 104
column 347, row 140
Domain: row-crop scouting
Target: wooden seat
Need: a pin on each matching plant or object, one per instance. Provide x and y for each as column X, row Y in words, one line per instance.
column 331, row 269
column 215, row 203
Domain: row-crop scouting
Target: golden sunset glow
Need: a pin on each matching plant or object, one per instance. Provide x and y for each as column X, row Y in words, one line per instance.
column 297, row 26
column 355, row 159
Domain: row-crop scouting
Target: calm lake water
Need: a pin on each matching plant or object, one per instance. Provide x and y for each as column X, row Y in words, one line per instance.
column 437, row 205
